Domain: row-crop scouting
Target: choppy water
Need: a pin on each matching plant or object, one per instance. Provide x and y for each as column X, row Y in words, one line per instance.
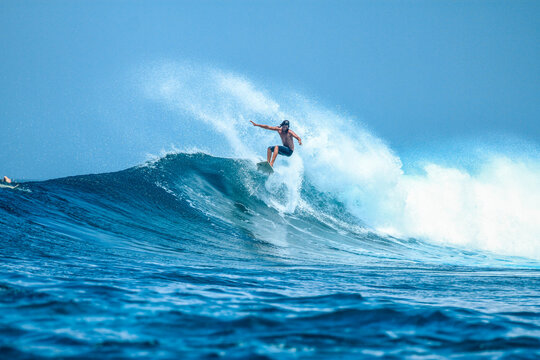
column 194, row 256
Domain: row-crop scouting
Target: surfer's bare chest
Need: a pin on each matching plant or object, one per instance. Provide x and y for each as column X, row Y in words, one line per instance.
column 287, row 139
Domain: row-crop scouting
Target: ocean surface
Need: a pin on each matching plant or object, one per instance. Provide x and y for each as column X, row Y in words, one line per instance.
column 192, row 256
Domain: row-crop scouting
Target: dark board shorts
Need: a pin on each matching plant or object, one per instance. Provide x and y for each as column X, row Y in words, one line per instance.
column 282, row 150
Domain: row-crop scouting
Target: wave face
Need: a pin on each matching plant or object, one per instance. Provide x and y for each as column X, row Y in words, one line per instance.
column 195, row 256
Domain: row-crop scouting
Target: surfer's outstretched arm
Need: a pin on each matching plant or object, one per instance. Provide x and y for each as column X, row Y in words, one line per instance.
column 293, row 134
column 275, row 128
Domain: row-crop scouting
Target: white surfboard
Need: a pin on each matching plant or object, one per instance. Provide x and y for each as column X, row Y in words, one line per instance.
column 8, row 186
column 265, row 167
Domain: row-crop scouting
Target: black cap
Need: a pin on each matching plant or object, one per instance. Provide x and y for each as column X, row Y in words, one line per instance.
column 285, row 122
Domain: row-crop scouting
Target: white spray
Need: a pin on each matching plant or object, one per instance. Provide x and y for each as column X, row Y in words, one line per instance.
column 496, row 208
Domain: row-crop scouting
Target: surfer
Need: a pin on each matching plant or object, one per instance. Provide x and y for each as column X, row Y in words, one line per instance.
column 6, row 182
column 286, row 135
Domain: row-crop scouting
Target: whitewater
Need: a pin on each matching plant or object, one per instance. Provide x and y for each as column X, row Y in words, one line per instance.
column 349, row 250
column 492, row 206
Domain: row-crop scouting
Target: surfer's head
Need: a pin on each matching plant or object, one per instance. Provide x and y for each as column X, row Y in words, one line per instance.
column 284, row 125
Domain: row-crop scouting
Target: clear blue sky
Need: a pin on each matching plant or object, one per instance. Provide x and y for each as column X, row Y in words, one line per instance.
column 418, row 71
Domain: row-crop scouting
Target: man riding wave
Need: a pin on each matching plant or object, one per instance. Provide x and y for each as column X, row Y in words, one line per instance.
column 286, row 135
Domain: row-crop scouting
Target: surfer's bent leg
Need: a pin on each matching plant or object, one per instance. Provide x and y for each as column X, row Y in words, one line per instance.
column 276, row 150
column 7, row 180
column 269, row 154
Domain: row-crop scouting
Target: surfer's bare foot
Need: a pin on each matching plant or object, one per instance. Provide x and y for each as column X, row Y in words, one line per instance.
column 7, row 180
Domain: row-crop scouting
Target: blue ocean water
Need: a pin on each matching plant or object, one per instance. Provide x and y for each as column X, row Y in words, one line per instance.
column 193, row 256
